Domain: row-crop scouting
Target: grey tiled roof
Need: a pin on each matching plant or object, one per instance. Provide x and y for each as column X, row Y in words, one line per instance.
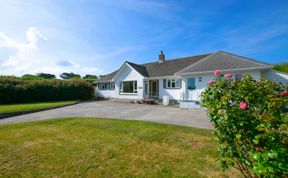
column 139, row 68
column 223, row 61
column 170, row 67
column 201, row 63
column 107, row 77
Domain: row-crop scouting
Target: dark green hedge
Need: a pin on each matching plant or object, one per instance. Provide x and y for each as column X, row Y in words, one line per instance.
column 13, row 90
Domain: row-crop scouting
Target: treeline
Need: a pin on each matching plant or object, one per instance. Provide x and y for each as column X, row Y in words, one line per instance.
column 20, row 90
column 65, row 76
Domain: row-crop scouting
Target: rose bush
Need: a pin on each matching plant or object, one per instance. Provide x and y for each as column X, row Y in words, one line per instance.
column 250, row 120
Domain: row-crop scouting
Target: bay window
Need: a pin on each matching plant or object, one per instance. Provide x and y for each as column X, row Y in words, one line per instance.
column 128, row 87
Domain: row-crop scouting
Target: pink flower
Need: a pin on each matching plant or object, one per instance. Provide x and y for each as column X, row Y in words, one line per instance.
column 283, row 93
column 243, row 105
column 210, row 82
column 216, row 72
column 228, row 75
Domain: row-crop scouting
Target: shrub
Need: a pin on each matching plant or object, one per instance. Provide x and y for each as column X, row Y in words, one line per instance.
column 31, row 77
column 13, row 90
column 250, row 119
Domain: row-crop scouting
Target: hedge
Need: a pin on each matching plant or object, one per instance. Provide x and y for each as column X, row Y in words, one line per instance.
column 14, row 90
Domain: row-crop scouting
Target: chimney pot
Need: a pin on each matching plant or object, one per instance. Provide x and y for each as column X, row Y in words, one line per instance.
column 161, row 57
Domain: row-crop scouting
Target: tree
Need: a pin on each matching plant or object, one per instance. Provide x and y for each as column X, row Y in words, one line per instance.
column 89, row 76
column 71, row 75
column 31, row 77
column 46, row 75
column 8, row 77
column 251, row 124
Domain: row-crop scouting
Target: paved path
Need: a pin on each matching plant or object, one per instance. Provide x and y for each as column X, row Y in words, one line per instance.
column 109, row 109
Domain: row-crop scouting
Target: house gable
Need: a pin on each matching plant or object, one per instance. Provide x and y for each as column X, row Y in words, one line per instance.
column 127, row 66
column 126, row 73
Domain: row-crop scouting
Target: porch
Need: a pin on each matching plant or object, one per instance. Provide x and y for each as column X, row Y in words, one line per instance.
column 151, row 89
column 186, row 95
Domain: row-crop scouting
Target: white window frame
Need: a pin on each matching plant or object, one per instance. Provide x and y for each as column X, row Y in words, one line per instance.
column 173, row 83
column 106, row 86
column 135, row 91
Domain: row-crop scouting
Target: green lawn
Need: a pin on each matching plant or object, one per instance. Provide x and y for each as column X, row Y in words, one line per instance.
column 31, row 106
column 281, row 67
column 83, row 147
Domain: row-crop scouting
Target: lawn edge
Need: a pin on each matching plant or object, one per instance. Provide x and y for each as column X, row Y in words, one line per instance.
column 105, row 118
column 12, row 114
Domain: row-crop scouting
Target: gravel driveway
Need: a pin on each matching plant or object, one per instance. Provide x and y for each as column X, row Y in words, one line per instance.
column 109, row 109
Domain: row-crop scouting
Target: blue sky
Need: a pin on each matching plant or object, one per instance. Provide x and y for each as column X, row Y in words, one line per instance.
column 97, row 36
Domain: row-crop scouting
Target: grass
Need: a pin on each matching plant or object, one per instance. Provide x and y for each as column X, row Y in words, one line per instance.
column 281, row 67
column 31, row 106
column 87, row 147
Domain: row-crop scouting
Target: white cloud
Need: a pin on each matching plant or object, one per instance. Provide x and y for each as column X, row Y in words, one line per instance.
column 18, row 58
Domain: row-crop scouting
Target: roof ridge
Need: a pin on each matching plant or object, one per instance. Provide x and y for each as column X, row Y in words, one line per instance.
column 168, row 60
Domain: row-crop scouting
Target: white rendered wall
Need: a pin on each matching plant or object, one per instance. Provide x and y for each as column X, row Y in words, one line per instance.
column 105, row 93
column 129, row 74
column 276, row 76
column 174, row 94
column 201, row 85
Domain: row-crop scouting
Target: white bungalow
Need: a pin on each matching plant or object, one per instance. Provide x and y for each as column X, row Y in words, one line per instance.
column 179, row 79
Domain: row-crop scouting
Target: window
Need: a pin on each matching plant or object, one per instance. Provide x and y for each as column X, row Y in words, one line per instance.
column 128, row 87
column 112, row 86
column 238, row 77
column 106, row 86
column 172, row 83
column 146, row 92
column 200, row 79
column 191, row 83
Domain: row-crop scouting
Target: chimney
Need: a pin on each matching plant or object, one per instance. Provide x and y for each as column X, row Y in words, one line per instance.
column 161, row 57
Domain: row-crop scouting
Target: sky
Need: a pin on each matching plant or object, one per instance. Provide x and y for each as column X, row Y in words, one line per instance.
column 98, row 36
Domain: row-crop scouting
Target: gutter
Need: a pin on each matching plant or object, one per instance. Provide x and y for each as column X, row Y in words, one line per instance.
column 163, row 77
